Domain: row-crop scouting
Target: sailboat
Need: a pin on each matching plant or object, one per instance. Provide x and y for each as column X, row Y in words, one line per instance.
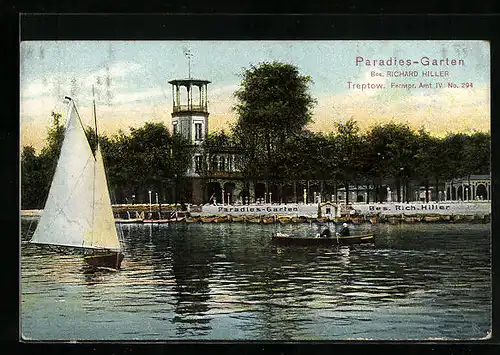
column 78, row 213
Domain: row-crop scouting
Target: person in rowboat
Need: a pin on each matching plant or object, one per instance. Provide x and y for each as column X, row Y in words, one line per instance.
column 326, row 233
column 344, row 232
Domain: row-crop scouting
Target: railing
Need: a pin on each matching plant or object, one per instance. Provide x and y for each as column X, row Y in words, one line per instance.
column 223, row 174
column 178, row 108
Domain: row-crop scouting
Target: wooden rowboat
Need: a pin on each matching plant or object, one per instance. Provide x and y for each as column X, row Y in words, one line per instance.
column 356, row 220
column 285, row 239
column 128, row 220
column 285, row 219
column 238, row 218
column 267, row 220
column 165, row 220
column 221, row 219
column 193, row 219
column 253, row 219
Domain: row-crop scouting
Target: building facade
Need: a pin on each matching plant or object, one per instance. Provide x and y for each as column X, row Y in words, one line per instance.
column 211, row 177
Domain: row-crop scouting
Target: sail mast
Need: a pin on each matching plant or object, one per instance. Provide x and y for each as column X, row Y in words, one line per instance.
column 95, row 118
column 95, row 161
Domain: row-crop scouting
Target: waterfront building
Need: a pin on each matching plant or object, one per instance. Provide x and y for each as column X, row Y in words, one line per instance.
column 211, row 176
column 475, row 187
column 214, row 177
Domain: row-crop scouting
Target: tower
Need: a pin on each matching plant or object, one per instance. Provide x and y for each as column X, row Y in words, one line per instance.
column 190, row 115
column 190, row 118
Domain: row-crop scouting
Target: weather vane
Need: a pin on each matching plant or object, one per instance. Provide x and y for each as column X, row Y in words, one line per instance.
column 188, row 54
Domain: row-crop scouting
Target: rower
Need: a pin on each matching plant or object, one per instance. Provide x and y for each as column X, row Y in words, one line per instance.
column 344, row 232
column 326, row 233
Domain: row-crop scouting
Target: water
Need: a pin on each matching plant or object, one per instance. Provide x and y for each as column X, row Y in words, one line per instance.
column 228, row 282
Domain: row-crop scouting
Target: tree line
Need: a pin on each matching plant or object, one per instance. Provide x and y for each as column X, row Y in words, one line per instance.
column 271, row 143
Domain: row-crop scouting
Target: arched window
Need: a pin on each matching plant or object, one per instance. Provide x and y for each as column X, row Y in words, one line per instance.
column 222, row 164
column 214, row 163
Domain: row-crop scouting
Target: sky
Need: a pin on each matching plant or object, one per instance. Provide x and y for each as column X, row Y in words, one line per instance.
column 131, row 81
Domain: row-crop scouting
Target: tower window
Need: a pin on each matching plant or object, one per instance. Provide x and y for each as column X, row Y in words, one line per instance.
column 175, row 128
column 198, row 163
column 198, row 132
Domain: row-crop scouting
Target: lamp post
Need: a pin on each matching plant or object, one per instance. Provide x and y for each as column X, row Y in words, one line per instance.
column 156, row 198
column 380, row 161
column 149, row 200
column 265, row 197
column 401, row 198
column 270, row 198
column 133, row 199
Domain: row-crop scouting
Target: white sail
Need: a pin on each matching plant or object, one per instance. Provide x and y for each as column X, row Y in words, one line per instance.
column 67, row 215
column 104, row 228
column 70, row 216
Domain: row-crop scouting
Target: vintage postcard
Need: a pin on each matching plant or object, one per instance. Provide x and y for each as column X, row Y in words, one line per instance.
column 255, row 190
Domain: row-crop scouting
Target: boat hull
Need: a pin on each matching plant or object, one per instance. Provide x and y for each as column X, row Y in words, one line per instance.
column 292, row 240
column 111, row 260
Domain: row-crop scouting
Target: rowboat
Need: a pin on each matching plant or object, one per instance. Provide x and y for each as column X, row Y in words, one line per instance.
column 221, row 219
column 299, row 219
column 128, row 220
column 238, row 218
column 411, row 219
column 284, row 219
column 165, row 220
column 356, row 220
column 267, row 220
column 192, row 219
column 253, row 219
column 285, row 239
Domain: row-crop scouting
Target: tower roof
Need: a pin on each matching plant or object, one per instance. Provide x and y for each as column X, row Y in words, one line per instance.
column 189, row 81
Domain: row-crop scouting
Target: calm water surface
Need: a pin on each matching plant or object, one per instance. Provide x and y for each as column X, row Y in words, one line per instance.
column 228, row 282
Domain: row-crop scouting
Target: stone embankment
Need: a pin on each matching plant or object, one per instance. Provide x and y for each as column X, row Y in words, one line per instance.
column 165, row 213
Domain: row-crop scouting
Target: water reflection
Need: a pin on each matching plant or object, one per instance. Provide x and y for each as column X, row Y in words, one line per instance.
column 227, row 281
column 191, row 269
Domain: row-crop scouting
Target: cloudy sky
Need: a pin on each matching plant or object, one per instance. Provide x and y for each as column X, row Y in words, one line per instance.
column 131, row 81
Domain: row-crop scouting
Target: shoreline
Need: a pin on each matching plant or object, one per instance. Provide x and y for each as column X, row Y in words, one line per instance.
column 187, row 217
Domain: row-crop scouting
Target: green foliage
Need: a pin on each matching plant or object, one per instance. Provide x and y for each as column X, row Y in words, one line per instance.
column 37, row 171
column 148, row 157
column 32, row 179
column 274, row 105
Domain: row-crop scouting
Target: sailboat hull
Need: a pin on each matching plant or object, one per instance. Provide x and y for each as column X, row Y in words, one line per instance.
column 111, row 260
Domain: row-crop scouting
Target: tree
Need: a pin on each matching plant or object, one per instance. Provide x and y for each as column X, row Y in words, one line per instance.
column 273, row 105
column 430, row 156
column 32, row 179
column 394, row 154
column 348, row 152
column 477, row 154
column 39, row 170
